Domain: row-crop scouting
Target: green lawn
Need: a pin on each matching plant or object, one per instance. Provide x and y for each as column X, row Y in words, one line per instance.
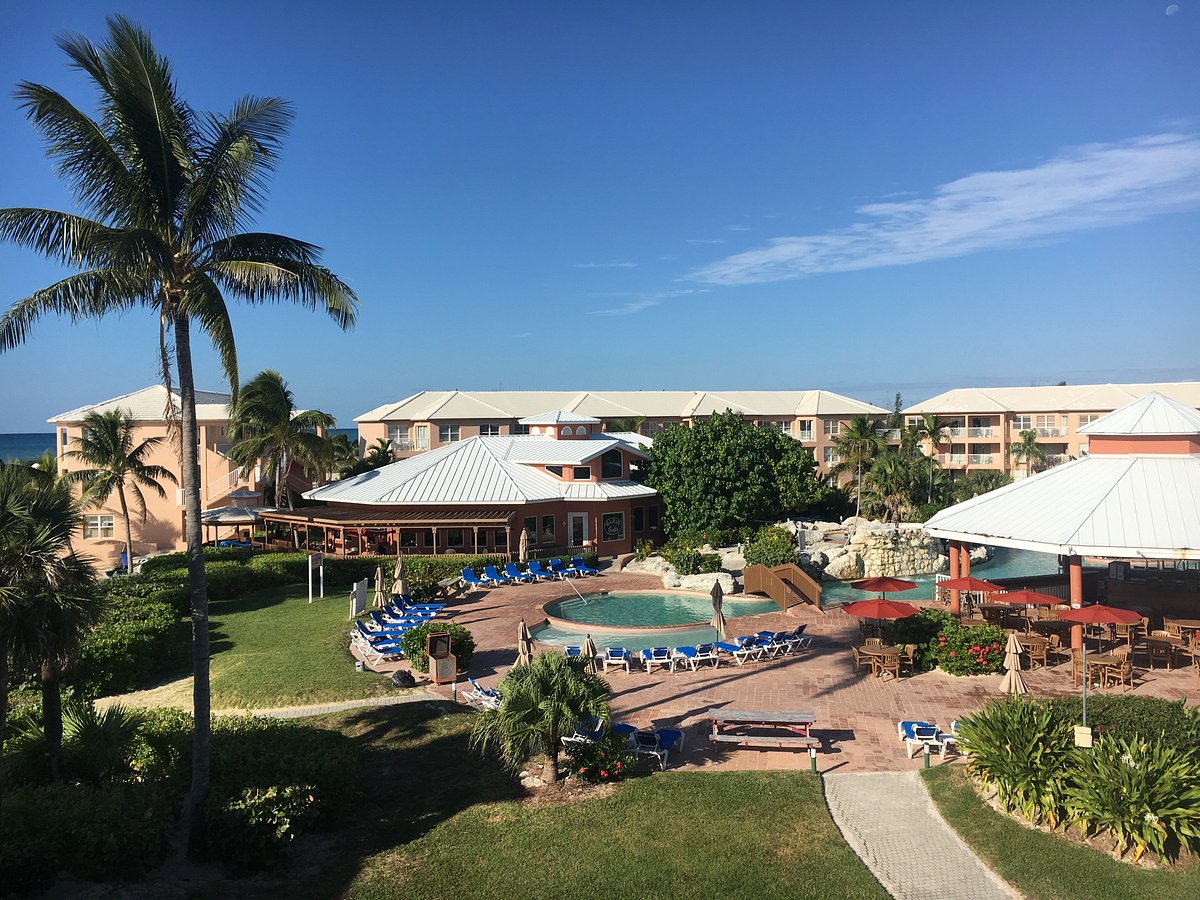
column 436, row 820
column 1045, row 866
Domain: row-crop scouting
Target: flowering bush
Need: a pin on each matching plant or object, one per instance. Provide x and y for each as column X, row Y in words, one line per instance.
column 608, row 759
column 977, row 650
column 922, row 632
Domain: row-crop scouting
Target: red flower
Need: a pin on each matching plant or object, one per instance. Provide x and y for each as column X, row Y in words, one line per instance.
column 582, row 769
column 951, row 652
column 975, row 649
column 603, row 774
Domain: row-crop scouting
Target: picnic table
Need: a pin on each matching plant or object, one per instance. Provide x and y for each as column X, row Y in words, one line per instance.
column 878, row 654
column 784, row 729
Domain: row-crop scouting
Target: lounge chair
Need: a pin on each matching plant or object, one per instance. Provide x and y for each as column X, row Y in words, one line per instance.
column 471, row 580
column 516, row 575
column 657, row 656
column 573, row 650
column 376, row 630
column 407, row 602
column 536, row 570
column 658, row 743
column 384, row 622
column 616, row 656
column 623, row 728
column 919, row 735
column 746, row 648
column 693, row 656
column 557, row 567
column 581, row 567
column 587, row 731
column 484, row 698
column 491, row 576
column 395, row 611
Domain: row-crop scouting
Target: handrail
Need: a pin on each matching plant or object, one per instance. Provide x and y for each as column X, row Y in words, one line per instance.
column 788, row 585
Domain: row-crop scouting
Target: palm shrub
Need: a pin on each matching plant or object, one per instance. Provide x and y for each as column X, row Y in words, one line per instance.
column 543, row 700
column 1022, row 750
column 98, row 745
column 771, row 546
column 1143, row 794
column 462, row 644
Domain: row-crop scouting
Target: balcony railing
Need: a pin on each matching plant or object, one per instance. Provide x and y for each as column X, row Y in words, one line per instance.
column 953, row 459
column 806, row 436
column 890, row 434
column 1057, row 459
column 1050, row 432
column 980, row 459
column 956, row 431
column 980, row 432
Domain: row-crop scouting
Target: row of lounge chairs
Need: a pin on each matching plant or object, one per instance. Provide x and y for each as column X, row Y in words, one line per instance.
column 919, row 736
column 656, row 742
column 534, row 572
column 761, row 646
column 378, row 636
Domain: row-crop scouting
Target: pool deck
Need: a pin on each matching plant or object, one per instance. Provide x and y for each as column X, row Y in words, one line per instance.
column 856, row 713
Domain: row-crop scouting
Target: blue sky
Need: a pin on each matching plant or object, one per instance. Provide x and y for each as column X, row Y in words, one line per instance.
column 864, row 197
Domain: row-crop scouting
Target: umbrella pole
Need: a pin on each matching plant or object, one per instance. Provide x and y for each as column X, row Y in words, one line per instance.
column 1085, row 681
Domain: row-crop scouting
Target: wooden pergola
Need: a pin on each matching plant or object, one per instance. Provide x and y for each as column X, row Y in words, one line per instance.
column 350, row 531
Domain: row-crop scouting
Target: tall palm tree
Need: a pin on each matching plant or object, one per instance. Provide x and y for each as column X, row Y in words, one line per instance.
column 379, row 453
column 890, row 485
column 856, row 447
column 1028, row 451
column 542, row 700
column 266, row 428
column 116, row 465
column 342, row 455
column 935, row 430
column 165, row 193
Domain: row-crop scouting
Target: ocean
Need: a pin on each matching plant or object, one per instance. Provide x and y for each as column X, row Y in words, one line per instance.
column 21, row 447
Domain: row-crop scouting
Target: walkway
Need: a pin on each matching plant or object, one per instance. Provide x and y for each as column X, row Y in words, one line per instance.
column 889, row 820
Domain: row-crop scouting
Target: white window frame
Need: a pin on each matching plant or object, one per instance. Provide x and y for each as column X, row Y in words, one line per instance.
column 806, row 431
column 832, row 427
column 1022, row 423
column 95, row 527
column 448, row 434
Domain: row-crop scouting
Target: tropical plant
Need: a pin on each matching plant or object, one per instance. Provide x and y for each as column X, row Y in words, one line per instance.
column 266, row 428
column 974, row 650
column 632, row 424
column 117, row 466
column 600, row 762
column 99, row 743
column 979, row 481
column 889, row 487
column 922, row 632
column 342, row 455
column 1028, row 451
column 857, row 446
column 772, row 546
column 543, row 700
column 935, row 430
column 381, row 453
column 165, row 193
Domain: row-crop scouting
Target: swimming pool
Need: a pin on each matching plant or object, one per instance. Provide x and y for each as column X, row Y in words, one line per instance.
column 640, row 610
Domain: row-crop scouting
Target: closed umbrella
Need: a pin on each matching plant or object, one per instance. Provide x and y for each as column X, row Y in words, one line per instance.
column 380, row 598
column 1013, row 683
column 524, row 645
column 1096, row 614
column 399, row 582
column 590, row 653
column 718, row 619
column 523, row 546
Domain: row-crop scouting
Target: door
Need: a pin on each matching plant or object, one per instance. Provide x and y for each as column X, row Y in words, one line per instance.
column 422, row 441
column 577, row 529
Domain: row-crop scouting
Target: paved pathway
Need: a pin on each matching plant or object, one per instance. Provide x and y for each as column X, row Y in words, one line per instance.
column 889, row 820
column 320, row 709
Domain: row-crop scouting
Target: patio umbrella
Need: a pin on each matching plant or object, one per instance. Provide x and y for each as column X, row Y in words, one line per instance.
column 880, row 608
column 883, row 585
column 399, row 583
column 718, row 619
column 1013, row 683
column 968, row 583
column 1028, row 598
column 380, row 598
column 524, row 645
column 523, row 546
column 1096, row 614
column 590, row 652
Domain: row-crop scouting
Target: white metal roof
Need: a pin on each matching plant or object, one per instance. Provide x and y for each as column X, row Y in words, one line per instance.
column 1110, row 506
column 149, row 405
column 547, row 452
column 1152, row 414
column 1052, row 398
column 559, row 417
column 479, row 470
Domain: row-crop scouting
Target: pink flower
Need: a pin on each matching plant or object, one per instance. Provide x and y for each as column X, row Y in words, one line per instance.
column 582, row 769
column 603, row 774
column 952, row 653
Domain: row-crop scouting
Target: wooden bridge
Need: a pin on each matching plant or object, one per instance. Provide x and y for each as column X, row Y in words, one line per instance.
column 788, row 585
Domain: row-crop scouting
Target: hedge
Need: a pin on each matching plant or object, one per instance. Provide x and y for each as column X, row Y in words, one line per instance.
column 133, row 639
column 1150, row 718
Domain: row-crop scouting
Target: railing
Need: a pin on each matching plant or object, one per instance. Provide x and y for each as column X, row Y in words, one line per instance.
column 954, row 459
column 980, row 432
column 787, row 585
column 979, row 459
column 1057, row 459
column 956, row 431
column 891, row 434
column 806, row 436
column 1049, row 432
column 226, row 483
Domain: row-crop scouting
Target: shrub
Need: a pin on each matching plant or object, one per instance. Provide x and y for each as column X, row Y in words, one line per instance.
column 605, row 760
column 162, row 749
column 252, row 831
column 462, row 644
column 178, row 560
column 921, row 631
column 1149, row 718
column 643, row 548
column 772, row 546
column 97, row 746
column 131, row 640
column 976, row 650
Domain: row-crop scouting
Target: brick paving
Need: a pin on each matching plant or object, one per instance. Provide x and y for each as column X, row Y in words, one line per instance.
column 856, row 713
column 889, row 820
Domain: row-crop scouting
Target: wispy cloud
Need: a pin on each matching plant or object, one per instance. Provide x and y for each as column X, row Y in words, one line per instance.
column 668, row 258
column 637, row 302
column 737, row 228
column 706, row 240
column 606, row 265
column 1082, row 188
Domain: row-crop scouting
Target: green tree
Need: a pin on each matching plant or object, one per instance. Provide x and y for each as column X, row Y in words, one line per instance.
column 857, row 446
column 116, row 465
column 342, row 455
column 890, row 485
column 380, row 453
column 1028, row 451
column 935, row 430
column 726, row 473
column 896, row 419
column 634, row 424
column 165, row 193
column 266, row 429
column 979, row 481
column 543, row 701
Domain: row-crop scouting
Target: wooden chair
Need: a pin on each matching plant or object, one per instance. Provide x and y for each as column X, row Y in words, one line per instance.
column 1161, row 651
column 908, row 658
column 860, row 659
column 1037, row 654
column 1054, row 646
column 1172, row 628
column 1076, row 666
column 1121, row 673
column 889, row 665
column 873, row 642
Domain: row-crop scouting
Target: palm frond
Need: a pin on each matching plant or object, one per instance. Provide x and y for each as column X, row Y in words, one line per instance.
column 206, row 305
column 307, row 285
column 58, row 236
column 85, row 295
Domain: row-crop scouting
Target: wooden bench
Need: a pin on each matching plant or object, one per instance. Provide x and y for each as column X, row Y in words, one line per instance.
column 449, row 587
column 768, row 740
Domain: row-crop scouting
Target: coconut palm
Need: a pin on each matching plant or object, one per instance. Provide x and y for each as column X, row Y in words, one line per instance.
column 979, row 481
column 165, row 193
column 379, row 453
column 1028, row 451
column 889, row 487
column 856, row 447
column 935, row 430
column 116, row 466
column 342, row 455
column 266, row 428
column 543, row 700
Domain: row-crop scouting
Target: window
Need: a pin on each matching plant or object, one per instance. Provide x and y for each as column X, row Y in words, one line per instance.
column 582, row 473
column 408, row 539
column 639, row 519
column 454, row 537
column 612, row 526
column 501, row 538
column 1022, row 423
column 97, row 527
column 831, row 458
column 579, row 429
column 518, row 429
column 653, row 518
column 566, row 431
column 447, row 434
column 531, row 528
column 429, row 537
column 398, row 435
column 806, row 429
column 1087, row 418
column 547, row 529
column 832, row 427
column 65, row 444
column 612, row 465
column 785, row 427
column 490, row 429
column 534, row 430
column 555, row 470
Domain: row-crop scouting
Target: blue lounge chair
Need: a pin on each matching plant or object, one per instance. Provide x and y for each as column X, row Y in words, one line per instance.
column 406, row 602
column 376, row 652
column 617, row 656
column 557, row 567
column 684, row 655
column 658, row 743
column 391, row 632
column 918, row 735
column 693, row 656
column 657, row 656
column 392, row 612
column 491, row 575
column 573, row 650
column 392, row 623
column 745, row 648
column 623, row 728
column 470, row 579
column 484, row 698
column 536, row 570
column 581, row 567
column 514, row 574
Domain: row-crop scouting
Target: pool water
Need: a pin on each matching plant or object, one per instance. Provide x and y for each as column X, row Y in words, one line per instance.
column 650, row 609
column 631, row 640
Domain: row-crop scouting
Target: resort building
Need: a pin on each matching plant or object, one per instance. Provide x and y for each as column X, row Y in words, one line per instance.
column 432, row 419
column 566, row 484
column 982, row 424
column 222, row 484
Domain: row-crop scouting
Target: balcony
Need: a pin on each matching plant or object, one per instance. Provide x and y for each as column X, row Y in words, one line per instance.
column 1050, row 432
column 979, row 459
column 889, row 434
column 957, row 431
column 985, row 432
column 1057, row 459
column 953, row 459
column 807, row 436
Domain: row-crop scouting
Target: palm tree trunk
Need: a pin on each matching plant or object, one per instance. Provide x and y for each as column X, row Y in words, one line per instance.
column 198, row 589
column 858, row 490
column 128, row 529
column 550, row 769
column 52, row 719
column 930, row 500
column 3, row 713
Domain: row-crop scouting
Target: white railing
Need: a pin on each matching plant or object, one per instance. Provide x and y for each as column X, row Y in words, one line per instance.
column 980, row 432
column 891, row 434
column 980, row 459
column 1049, row 432
column 953, row 459
column 956, row 431
column 806, row 435
column 226, row 483
column 1057, row 459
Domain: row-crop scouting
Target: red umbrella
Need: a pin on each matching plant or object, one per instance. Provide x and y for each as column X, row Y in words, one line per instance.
column 968, row 583
column 1096, row 614
column 1028, row 598
column 880, row 608
column 883, row 585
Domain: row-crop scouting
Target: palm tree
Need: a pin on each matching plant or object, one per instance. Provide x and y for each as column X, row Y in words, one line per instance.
column 890, row 485
column 342, row 455
column 266, row 428
column 935, row 430
column 165, row 192
column 542, row 701
column 856, row 447
column 632, row 424
column 379, row 453
column 107, row 446
column 979, row 481
column 1028, row 450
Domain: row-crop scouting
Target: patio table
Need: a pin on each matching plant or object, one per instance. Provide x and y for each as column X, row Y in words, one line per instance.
column 795, row 727
column 1100, row 663
column 1192, row 625
column 877, row 654
column 1172, row 645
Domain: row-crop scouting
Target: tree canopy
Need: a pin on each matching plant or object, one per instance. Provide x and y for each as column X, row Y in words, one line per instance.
column 725, row 472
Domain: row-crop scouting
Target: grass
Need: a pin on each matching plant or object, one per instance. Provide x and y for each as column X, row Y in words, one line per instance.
column 1046, row 866
column 437, row 820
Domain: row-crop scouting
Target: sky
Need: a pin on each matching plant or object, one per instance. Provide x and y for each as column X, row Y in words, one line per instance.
column 866, row 198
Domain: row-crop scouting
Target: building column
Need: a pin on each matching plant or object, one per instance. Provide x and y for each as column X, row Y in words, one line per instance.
column 964, row 566
column 955, row 595
column 435, row 546
column 1075, row 576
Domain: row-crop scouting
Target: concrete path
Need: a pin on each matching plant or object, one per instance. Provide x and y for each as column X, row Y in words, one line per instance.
column 889, row 819
column 320, row 709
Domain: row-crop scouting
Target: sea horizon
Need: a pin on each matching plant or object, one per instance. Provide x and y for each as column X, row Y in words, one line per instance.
column 18, row 446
